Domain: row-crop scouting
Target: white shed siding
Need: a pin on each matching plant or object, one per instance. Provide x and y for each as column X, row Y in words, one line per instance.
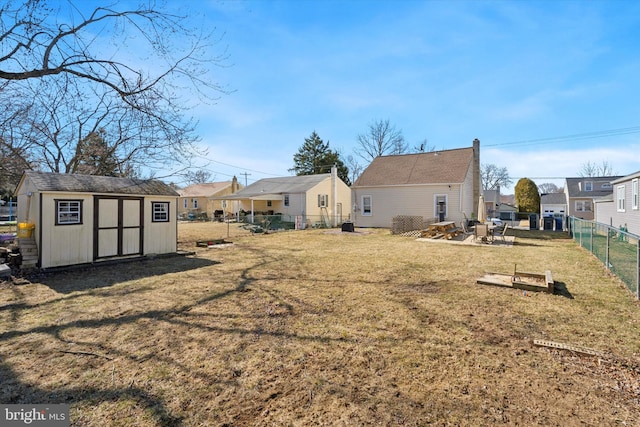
column 65, row 244
column 160, row 237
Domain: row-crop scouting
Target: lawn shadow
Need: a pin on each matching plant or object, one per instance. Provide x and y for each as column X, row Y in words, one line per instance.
column 15, row 391
column 560, row 288
column 104, row 275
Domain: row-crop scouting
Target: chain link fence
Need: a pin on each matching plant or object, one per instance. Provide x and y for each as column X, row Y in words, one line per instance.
column 616, row 248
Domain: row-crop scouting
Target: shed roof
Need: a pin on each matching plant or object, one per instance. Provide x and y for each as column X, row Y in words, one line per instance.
column 278, row 186
column 437, row 167
column 51, row 181
column 204, row 189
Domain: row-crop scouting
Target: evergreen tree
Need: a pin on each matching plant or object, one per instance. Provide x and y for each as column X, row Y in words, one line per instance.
column 315, row 157
column 527, row 196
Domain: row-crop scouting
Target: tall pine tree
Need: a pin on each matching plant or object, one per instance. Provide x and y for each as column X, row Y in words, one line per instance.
column 315, row 157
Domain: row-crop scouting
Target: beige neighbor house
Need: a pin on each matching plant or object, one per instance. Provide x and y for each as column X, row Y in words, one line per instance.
column 305, row 200
column 81, row 219
column 439, row 185
column 581, row 192
column 622, row 207
column 199, row 201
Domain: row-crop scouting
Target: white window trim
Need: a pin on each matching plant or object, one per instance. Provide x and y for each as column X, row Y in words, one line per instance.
column 286, row 200
column 185, row 203
column 446, row 205
column 71, row 215
column 163, row 214
column 620, row 198
column 362, row 212
column 634, row 194
column 588, row 186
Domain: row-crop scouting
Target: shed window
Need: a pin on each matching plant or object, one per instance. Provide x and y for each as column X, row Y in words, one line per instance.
column 68, row 212
column 160, row 211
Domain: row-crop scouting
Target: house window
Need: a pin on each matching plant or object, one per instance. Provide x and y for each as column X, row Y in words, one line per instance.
column 68, row 212
column 269, row 203
column 185, row 203
column 286, row 200
column 588, row 186
column 634, row 194
column 160, row 211
column 366, row 206
column 323, row 200
column 606, row 186
column 583, row 205
column 620, row 199
column 195, row 203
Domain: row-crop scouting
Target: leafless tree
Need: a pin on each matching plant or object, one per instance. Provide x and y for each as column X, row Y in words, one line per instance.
column 381, row 138
column 549, row 188
column 85, row 74
column 355, row 168
column 199, row 177
column 494, row 176
column 591, row 169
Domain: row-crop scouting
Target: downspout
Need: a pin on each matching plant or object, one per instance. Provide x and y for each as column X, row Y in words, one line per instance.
column 334, row 194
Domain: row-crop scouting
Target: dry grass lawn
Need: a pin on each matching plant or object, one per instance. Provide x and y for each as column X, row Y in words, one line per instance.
column 325, row 328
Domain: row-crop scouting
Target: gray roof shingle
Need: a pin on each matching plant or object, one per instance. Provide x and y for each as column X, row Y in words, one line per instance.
column 50, row 181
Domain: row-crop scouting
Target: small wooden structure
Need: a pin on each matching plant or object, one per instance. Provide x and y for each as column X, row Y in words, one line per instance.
column 442, row 229
column 83, row 219
column 520, row 280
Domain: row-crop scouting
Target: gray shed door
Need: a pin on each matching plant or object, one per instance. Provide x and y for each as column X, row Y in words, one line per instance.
column 118, row 227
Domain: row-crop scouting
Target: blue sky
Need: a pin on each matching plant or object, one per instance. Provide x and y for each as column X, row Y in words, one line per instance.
column 518, row 75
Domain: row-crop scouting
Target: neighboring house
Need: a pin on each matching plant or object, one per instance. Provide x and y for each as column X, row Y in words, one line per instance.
column 492, row 202
column 622, row 207
column 307, row 200
column 197, row 200
column 507, row 211
column 82, row 219
column 581, row 192
column 439, row 185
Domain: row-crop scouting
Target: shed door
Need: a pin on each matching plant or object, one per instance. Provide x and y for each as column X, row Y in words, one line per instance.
column 118, row 227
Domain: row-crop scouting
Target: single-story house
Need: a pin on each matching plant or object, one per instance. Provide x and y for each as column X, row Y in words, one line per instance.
column 306, row 200
column 581, row 192
column 439, row 185
column 83, row 219
column 507, row 212
column 197, row 200
column 622, row 207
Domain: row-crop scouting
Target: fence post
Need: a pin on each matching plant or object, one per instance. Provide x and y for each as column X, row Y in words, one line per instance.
column 638, row 271
column 606, row 257
column 592, row 226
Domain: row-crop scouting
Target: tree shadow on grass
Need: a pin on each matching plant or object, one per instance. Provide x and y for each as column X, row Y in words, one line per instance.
column 15, row 391
column 104, row 275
